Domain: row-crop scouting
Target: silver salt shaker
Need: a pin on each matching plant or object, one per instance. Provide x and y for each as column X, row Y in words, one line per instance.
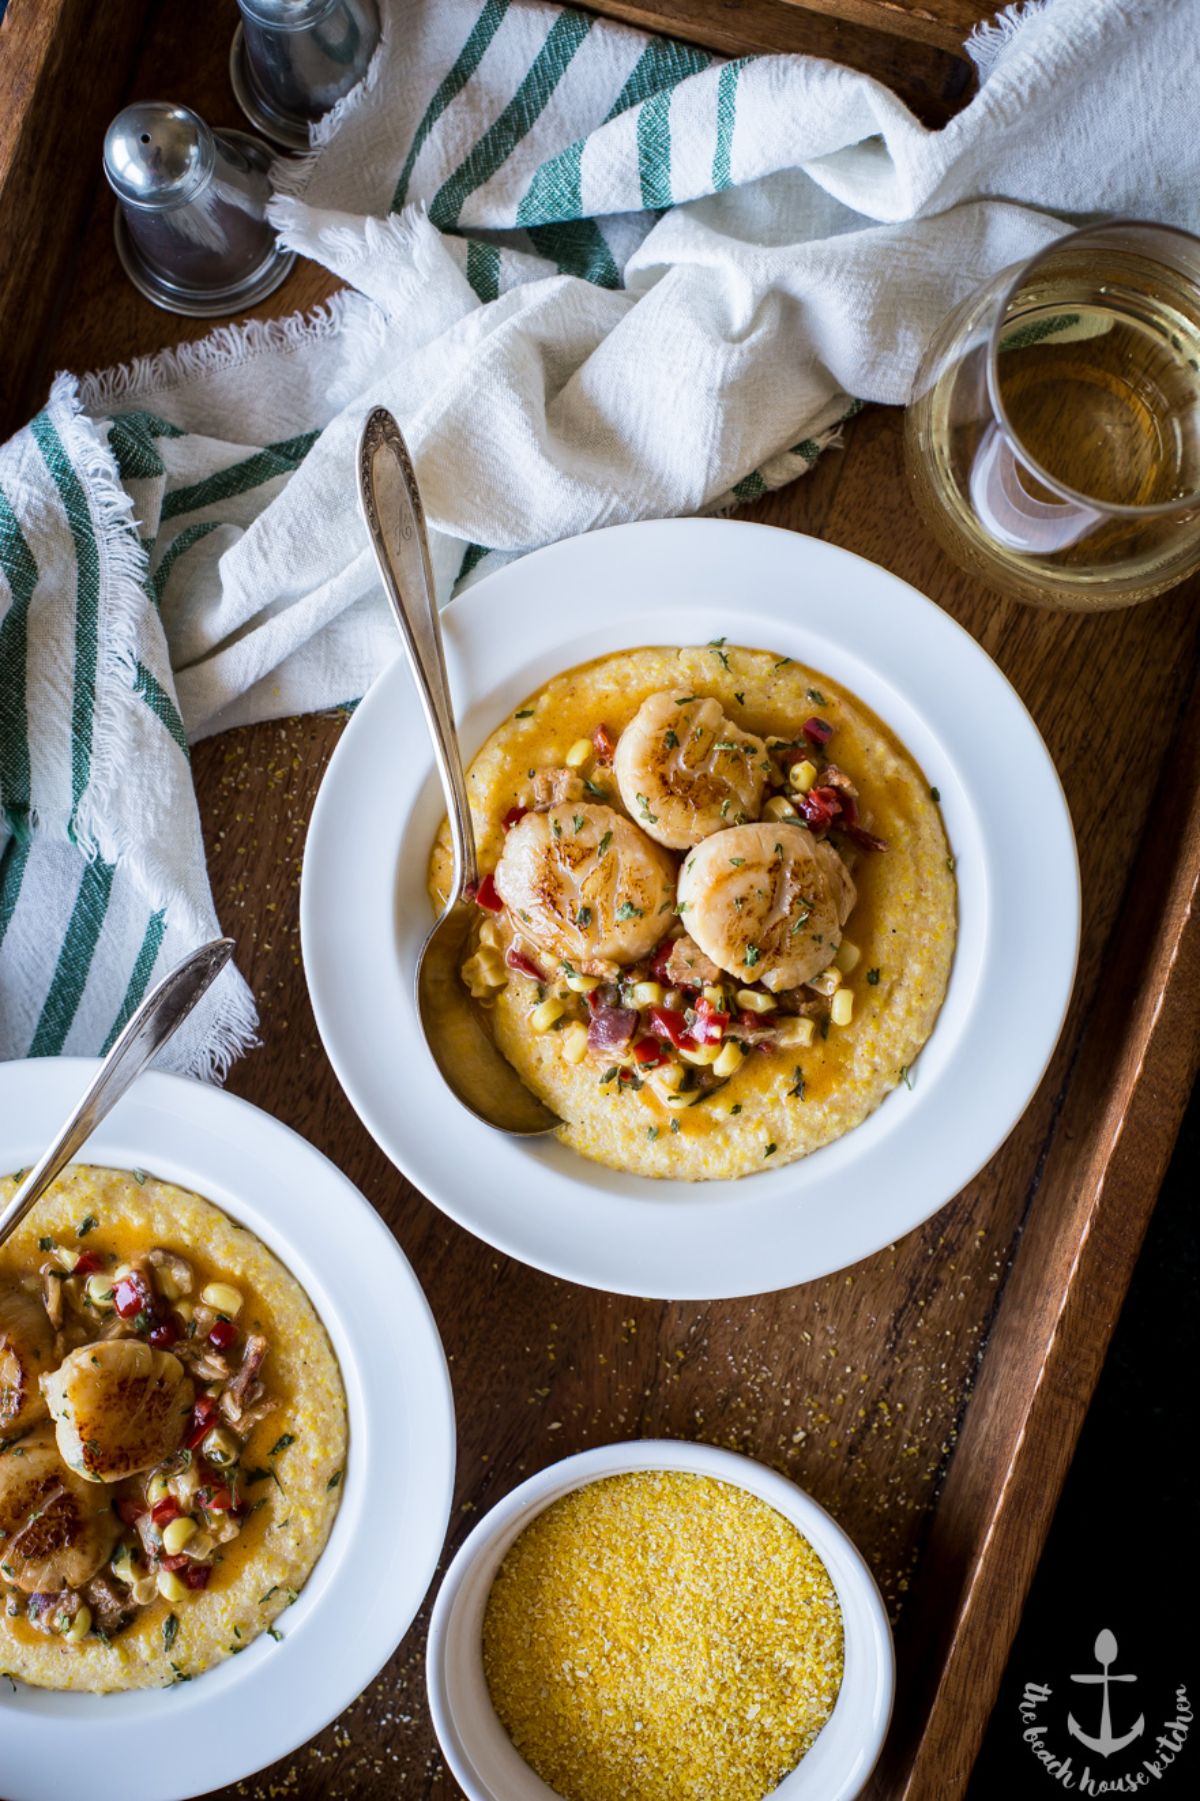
column 191, row 226
column 292, row 60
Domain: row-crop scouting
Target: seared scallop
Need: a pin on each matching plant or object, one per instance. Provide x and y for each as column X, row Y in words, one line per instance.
column 26, row 1354
column 56, row 1530
column 119, row 1406
column 685, row 770
column 585, row 885
column 767, row 902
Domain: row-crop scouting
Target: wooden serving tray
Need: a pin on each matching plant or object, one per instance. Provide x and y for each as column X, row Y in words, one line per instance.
column 931, row 1396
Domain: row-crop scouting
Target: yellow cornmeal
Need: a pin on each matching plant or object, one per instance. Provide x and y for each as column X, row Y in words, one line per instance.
column 664, row 1636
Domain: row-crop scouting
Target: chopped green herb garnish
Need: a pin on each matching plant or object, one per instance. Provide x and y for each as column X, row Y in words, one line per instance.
column 873, row 977
column 951, row 864
column 741, row 699
column 578, row 821
column 45, row 1244
column 604, row 844
column 275, row 1633
column 170, row 1631
column 86, row 1225
column 905, row 1075
column 333, row 1480
column 783, row 662
column 610, row 1075
column 525, row 713
column 815, row 695
column 736, row 1108
column 935, row 795
column 751, row 956
column 556, row 828
column 796, row 1092
column 737, row 861
column 281, row 1444
column 644, row 809
column 671, row 741
column 139, row 1176
column 674, row 1125
column 683, row 700
column 770, row 1150
column 594, row 789
column 583, row 918
column 627, row 910
column 651, row 1132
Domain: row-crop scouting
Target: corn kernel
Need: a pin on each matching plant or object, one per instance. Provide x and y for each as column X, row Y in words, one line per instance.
column 222, row 1298
column 668, row 1079
column 647, row 994
column 157, row 1490
column 201, row 1546
column 828, row 980
column 578, row 754
column 795, row 1032
column 779, row 807
column 177, row 1534
column 847, row 956
column 166, row 1285
column 171, row 1588
column 574, row 1043
column 489, row 934
column 674, row 998
column 546, row 1013
column 715, row 997
column 702, row 1055
column 730, row 1059
column 221, row 1447
column 753, row 1002
column 583, row 984
column 80, row 1626
column 802, row 776
column 842, row 1008
column 122, row 1270
column 100, row 1292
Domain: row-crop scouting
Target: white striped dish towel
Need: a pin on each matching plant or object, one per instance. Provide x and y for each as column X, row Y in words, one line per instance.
column 599, row 277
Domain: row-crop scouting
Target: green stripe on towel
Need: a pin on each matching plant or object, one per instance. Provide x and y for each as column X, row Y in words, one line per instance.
column 139, row 978
column 21, row 573
column 74, row 960
column 87, row 603
column 183, row 541
column 162, row 706
column 662, row 64
column 469, row 58
column 519, row 116
column 12, row 872
column 483, row 269
column 727, row 83
column 240, row 478
column 654, row 151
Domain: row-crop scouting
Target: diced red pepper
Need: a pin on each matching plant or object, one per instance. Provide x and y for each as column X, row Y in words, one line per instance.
column 204, row 1415
column 661, row 958
column 174, row 1564
column 603, row 743
column 195, row 1574
column 820, row 807
column 711, row 1022
column 647, row 1052
column 486, row 896
column 817, row 731
column 165, row 1332
column 669, row 1023
column 163, row 1512
column 129, row 1511
column 518, row 960
column 88, row 1264
column 849, row 808
column 220, row 1501
column 221, row 1337
column 513, row 815
column 131, row 1296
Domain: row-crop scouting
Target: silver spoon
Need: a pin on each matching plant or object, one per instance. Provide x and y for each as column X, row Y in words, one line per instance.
column 472, row 1067
column 160, row 1015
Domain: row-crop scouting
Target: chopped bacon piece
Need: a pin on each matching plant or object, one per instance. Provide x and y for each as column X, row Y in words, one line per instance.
column 196, row 1575
column 865, row 840
column 686, row 966
column 612, row 1028
column 603, row 743
column 513, row 815
column 820, row 807
column 817, row 731
column 88, row 1264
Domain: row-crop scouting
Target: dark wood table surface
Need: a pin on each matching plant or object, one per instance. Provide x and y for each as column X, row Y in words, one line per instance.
column 929, row 1396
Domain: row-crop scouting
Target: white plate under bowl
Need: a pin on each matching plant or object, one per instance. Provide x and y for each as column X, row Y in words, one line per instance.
column 165, row 1744
column 484, row 1760
column 365, row 914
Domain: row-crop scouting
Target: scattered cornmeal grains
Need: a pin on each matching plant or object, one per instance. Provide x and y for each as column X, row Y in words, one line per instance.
column 664, row 1636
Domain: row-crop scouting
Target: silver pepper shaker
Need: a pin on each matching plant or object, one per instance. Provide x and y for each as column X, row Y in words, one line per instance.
column 292, row 60
column 191, row 226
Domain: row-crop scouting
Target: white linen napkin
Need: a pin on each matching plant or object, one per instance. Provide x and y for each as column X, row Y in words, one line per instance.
column 599, row 277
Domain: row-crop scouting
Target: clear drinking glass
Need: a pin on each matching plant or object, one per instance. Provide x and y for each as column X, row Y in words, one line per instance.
column 1053, row 442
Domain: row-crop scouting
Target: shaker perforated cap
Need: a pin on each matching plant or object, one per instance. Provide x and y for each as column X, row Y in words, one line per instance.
column 157, row 156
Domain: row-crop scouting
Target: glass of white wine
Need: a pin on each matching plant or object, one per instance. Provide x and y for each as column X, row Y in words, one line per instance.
column 1053, row 441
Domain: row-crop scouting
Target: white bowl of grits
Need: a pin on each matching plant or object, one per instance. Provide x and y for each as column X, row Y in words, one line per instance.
column 660, row 1618
column 821, row 1107
column 214, row 1360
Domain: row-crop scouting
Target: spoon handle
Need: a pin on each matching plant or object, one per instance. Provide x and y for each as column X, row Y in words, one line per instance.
column 391, row 504
column 164, row 1009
